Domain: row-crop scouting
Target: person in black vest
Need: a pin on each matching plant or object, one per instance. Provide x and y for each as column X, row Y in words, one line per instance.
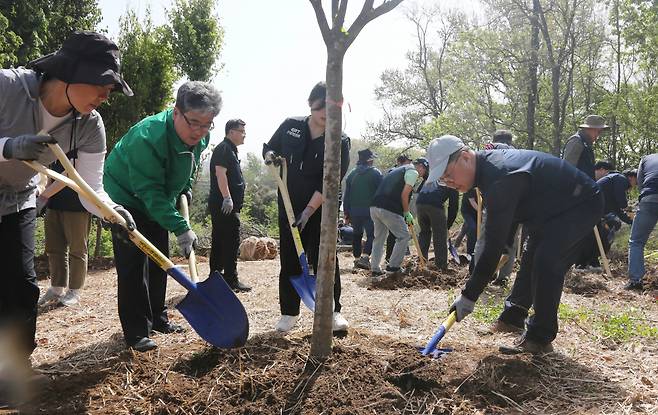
column 300, row 140
column 390, row 212
column 224, row 202
column 66, row 225
column 579, row 148
column 433, row 222
column 645, row 219
column 557, row 205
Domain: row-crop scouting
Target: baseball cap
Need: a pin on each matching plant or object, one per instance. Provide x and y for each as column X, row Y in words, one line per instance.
column 438, row 153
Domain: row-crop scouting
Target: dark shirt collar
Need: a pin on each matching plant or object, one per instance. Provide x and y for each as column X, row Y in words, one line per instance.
column 230, row 143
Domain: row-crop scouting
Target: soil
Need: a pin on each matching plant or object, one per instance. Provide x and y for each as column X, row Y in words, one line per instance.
column 374, row 369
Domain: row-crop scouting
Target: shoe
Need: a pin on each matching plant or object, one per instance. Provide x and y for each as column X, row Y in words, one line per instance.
column 363, row 262
column 144, row 345
column 339, row 323
column 53, row 293
column 237, row 286
column 377, row 273
column 394, row 270
column 525, row 345
column 500, row 326
column 168, row 328
column 286, row 323
column 71, row 298
column 634, row 286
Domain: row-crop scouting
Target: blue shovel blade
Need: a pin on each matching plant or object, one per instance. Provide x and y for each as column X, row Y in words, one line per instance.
column 305, row 287
column 453, row 252
column 215, row 312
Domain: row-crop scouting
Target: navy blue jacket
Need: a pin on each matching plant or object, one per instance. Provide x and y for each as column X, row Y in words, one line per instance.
column 614, row 186
column 647, row 176
column 435, row 195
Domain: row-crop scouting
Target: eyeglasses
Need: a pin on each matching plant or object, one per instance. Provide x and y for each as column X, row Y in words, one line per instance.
column 198, row 126
column 243, row 132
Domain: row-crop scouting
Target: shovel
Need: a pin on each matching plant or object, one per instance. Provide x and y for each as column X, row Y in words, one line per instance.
column 412, row 231
column 191, row 261
column 304, row 283
column 453, row 252
column 211, row 308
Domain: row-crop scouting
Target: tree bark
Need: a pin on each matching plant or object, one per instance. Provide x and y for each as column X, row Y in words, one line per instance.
column 532, row 74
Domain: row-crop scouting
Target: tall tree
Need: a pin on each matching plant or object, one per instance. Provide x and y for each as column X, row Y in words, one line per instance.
column 337, row 39
column 196, row 38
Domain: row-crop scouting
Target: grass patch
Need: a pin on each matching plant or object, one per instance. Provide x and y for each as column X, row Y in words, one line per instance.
column 488, row 310
column 619, row 327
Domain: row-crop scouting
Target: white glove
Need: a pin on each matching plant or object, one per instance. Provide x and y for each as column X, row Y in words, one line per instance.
column 227, row 205
column 187, row 242
column 463, row 306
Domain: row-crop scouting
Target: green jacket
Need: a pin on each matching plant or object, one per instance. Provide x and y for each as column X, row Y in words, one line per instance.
column 150, row 166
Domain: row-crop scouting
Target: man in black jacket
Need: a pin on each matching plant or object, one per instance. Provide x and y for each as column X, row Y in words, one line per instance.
column 557, row 205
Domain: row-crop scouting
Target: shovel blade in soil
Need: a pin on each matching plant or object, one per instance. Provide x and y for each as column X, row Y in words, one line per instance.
column 215, row 312
column 430, row 349
column 304, row 284
column 453, row 252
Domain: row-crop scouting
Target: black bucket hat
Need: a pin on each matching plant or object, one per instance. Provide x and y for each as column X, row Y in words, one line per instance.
column 85, row 58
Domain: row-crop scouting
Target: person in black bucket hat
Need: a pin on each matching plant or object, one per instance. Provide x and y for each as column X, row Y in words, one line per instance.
column 53, row 101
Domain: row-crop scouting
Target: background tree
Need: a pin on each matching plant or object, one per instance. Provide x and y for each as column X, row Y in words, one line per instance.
column 337, row 39
column 196, row 38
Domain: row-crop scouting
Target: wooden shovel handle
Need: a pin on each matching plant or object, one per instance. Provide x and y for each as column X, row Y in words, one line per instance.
column 185, row 212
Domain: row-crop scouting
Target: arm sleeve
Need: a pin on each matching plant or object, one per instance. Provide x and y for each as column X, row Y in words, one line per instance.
column 572, row 151
column 410, row 177
column 275, row 142
column 346, row 194
column 345, row 146
column 502, row 200
column 453, row 206
column 619, row 187
column 90, row 168
column 640, row 174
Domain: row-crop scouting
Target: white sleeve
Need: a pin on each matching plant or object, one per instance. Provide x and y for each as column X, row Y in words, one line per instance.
column 90, row 168
column 3, row 140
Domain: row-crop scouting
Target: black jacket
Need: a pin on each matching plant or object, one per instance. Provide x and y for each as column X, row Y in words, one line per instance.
column 579, row 152
column 614, row 186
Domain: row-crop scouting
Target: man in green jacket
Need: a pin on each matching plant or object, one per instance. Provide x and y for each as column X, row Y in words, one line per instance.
column 146, row 171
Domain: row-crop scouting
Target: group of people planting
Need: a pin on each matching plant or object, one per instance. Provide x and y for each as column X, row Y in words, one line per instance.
column 54, row 101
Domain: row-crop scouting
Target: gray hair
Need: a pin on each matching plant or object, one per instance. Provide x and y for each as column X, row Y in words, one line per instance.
column 199, row 96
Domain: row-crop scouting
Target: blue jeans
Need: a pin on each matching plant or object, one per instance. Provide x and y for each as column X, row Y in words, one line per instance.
column 360, row 224
column 643, row 224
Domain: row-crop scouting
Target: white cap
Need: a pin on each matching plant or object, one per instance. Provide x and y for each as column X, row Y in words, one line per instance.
column 439, row 152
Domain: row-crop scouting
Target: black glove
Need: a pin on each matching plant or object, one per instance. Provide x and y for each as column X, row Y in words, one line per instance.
column 188, row 195
column 272, row 158
column 27, row 147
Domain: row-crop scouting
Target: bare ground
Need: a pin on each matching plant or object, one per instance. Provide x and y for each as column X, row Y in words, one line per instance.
column 374, row 369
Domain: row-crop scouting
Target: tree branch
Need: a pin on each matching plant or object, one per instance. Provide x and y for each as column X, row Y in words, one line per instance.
column 322, row 20
column 367, row 14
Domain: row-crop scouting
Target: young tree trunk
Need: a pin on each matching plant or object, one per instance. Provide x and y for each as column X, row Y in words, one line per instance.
column 532, row 74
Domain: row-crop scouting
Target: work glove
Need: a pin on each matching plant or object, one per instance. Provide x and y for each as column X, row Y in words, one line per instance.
column 227, row 205
column 303, row 217
column 463, row 307
column 130, row 222
column 408, row 218
column 187, row 242
column 27, row 147
column 272, row 158
column 187, row 195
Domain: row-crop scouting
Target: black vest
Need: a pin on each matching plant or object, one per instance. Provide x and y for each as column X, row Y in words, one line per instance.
column 66, row 199
column 555, row 185
column 389, row 192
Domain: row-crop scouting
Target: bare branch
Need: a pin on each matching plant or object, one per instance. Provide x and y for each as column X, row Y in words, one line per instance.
column 322, row 20
column 367, row 14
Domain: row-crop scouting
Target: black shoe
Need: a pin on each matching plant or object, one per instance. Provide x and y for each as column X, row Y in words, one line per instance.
column 634, row 286
column 168, row 328
column 144, row 345
column 238, row 286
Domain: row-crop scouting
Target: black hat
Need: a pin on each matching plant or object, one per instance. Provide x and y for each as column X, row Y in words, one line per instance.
column 366, row 155
column 85, row 58
column 403, row 158
column 423, row 161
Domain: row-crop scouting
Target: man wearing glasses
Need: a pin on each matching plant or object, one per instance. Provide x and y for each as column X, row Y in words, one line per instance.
column 558, row 206
column 152, row 164
column 224, row 202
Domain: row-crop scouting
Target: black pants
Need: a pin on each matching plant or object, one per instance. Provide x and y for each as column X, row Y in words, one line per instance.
column 434, row 226
column 549, row 253
column 142, row 284
column 20, row 292
column 288, row 297
column 225, row 243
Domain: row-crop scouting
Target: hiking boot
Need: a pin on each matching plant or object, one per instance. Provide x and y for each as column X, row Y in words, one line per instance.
column 500, row 326
column 144, row 345
column 525, row 345
column 168, row 328
column 363, row 262
column 634, row 286
column 53, row 293
column 339, row 323
column 286, row 323
column 71, row 298
column 237, row 286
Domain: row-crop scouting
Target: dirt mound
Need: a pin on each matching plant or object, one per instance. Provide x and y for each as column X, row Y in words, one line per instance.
column 585, row 284
column 415, row 276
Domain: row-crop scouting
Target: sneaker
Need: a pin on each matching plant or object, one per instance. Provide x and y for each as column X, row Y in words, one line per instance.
column 53, row 293
column 363, row 262
column 500, row 326
column 634, row 286
column 377, row 273
column 286, row 323
column 525, row 345
column 144, row 345
column 71, row 298
column 339, row 323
